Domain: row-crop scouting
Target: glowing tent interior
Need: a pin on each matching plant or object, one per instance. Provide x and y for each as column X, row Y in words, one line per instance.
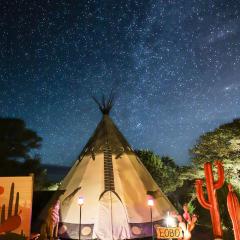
column 115, row 186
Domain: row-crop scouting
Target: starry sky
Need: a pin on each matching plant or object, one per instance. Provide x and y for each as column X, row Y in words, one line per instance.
column 174, row 66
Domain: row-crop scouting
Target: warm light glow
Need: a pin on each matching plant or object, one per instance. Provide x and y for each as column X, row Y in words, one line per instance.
column 150, row 202
column 170, row 221
column 80, row 201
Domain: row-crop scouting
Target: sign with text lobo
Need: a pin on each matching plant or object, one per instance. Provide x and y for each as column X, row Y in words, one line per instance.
column 165, row 233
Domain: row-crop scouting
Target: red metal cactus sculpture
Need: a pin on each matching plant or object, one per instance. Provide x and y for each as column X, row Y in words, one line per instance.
column 212, row 203
column 234, row 211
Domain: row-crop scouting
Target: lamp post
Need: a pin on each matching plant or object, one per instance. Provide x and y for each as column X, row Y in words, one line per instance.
column 150, row 203
column 80, row 203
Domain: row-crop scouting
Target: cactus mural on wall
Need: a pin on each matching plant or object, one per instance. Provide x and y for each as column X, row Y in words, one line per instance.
column 3, row 214
column 211, row 203
column 234, row 211
column 10, row 205
column 16, row 204
column 2, row 219
column 15, row 207
column 12, row 222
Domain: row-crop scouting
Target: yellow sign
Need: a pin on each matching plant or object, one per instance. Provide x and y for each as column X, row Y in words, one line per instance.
column 163, row 232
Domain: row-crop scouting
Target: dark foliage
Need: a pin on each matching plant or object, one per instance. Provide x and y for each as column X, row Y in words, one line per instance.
column 17, row 145
column 16, row 141
column 163, row 170
column 223, row 144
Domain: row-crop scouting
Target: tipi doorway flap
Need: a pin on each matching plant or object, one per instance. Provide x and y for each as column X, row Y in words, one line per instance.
column 112, row 222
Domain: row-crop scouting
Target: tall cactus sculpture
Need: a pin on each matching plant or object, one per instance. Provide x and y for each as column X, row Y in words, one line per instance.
column 234, row 211
column 211, row 203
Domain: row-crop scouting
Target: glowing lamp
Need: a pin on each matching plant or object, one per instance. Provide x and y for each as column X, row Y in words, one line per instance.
column 150, row 202
column 170, row 221
column 80, row 201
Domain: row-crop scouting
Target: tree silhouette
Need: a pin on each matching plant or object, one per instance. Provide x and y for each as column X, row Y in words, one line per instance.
column 17, row 145
column 16, row 141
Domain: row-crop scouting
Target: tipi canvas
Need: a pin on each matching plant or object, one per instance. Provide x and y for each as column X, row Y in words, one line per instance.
column 114, row 184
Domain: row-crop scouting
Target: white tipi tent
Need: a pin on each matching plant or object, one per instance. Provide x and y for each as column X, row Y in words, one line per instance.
column 114, row 184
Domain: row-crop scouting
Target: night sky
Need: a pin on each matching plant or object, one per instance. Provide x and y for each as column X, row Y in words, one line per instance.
column 174, row 66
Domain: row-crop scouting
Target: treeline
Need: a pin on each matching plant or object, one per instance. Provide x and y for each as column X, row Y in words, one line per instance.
column 222, row 144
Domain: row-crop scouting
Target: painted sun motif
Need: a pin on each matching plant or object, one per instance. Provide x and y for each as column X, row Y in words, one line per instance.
column 86, row 231
column 136, row 230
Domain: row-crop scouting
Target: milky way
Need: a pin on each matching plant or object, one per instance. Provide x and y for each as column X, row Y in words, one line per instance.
column 174, row 66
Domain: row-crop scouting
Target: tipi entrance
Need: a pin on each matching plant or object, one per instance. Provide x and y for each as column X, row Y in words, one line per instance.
column 112, row 212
